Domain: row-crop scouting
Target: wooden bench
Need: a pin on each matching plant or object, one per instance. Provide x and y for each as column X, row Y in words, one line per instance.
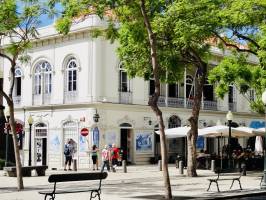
column 56, row 178
column 26, row 170
column 224, row 178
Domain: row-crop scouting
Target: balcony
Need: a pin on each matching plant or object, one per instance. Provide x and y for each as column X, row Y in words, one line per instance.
column 41, row 99
column 17, row 100
column 180, row 103
column 232, row 106
column 125, row 97
column 70, row 96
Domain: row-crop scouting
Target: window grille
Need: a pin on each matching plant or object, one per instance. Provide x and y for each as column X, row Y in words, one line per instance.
column 40, row 130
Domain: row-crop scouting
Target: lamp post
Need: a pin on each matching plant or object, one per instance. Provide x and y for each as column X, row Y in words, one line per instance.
column 7, row 134
column 263, row 185
column 229, row 117
column 30, row 121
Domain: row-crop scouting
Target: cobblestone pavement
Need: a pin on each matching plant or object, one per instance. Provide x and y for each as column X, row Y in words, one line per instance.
column 143, row 182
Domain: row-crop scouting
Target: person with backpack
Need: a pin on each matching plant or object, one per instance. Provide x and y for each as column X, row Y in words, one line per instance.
column 68, row 152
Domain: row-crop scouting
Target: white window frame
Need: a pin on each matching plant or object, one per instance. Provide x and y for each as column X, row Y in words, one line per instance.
column 18, row 74
column 71, row 69
column 123, row 73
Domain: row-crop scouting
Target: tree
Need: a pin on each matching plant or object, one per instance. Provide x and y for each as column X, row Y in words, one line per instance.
column 17, row 27
column 244, row 35
column 177, row 35
column 130, row 22
column 188, row 27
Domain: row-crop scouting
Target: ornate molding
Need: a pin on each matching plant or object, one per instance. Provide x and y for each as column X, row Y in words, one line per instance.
column 126, row 119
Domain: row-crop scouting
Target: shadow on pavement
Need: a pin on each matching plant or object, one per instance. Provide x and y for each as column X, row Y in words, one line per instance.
column 161, row 197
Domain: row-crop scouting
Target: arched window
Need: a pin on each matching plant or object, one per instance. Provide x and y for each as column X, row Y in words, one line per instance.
column 17, row 85
column 189, row 86
column 70, row 131
column 124, row 83
column 71, row 75
column 43, row 78
column 174, row 121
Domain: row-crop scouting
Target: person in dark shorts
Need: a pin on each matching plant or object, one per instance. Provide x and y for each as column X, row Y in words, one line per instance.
column 68, row 152
column 94, row 157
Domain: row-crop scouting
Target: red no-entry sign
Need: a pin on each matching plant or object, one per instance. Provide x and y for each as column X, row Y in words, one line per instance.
column 84, row 132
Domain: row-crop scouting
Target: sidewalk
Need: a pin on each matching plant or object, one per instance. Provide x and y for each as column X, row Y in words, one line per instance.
column 140, row 183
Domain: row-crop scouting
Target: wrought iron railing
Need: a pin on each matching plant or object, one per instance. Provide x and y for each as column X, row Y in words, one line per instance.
column 70, row 96
column 125, row 97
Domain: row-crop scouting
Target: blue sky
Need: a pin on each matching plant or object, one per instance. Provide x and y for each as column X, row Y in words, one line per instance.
column 45, row 20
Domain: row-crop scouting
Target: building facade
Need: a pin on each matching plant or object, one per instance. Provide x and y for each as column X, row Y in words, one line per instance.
column 71, row 78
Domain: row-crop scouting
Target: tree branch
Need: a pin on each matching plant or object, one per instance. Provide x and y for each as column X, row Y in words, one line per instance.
column 234, row 45
column 246, row 38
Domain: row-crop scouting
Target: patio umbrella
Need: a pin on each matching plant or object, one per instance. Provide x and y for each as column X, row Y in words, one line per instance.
column 258, row 145
column 178, row 132
column 259, row 131
column 223, row 131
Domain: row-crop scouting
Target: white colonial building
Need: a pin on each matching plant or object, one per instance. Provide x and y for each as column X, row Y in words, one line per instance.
column 70, row 78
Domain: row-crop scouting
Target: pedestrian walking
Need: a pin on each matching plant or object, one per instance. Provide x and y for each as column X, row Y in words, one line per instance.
column 68, row 152
column 94, row 157
column 105, row 158
column 114, row 157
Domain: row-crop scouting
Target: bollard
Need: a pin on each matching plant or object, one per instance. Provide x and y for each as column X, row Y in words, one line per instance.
column 213, row 165
column 75, row 164
column 177, row 164
column 181, row 167
column 243, row 169
column 124, row 164
column 160, row 165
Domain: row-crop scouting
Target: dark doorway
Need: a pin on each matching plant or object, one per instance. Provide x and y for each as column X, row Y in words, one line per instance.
column 41, row 151
column 125, row 143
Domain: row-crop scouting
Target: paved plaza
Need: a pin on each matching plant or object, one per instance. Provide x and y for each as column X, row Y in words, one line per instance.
column 143, row 182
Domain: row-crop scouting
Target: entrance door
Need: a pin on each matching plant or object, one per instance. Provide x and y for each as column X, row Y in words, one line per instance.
column 41, row 149
column 125, row 145
column 40, row 144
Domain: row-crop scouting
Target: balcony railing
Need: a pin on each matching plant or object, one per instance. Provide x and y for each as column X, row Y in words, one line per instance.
column 125, row 97
column 180, row 103
column 210, row 105
column 41, row 99
column 232, row 106
column 17, row 100
column 46, row 98
column 70, row 96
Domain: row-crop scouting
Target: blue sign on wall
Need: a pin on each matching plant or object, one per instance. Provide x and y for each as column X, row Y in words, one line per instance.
column 200, row 143
column 257, row 124
column 95, row 139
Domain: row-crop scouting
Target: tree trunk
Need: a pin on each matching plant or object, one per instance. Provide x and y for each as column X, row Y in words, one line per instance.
column 12, row 122
column 154, row 99
column 193, row 119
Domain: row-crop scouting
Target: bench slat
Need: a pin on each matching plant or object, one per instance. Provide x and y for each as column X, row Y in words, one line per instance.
column 76, row 177
column 68, row 191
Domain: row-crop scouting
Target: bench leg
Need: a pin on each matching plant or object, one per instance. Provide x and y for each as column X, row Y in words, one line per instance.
column 217, row 186
column 52, row 197
column 240, row 184
column 92, row 196
column 232, row 184
column 209, row 185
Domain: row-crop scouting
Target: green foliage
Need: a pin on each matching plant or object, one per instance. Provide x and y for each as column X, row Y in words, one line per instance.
column 19, row 26
column 243, row 23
